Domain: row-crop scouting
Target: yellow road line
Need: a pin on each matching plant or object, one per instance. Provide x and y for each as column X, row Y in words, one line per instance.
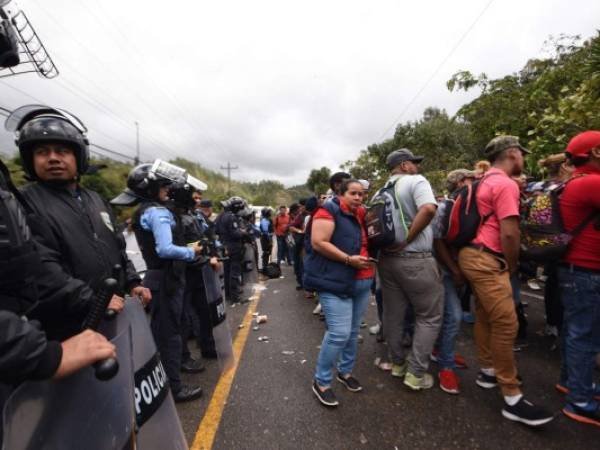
column 207, row 430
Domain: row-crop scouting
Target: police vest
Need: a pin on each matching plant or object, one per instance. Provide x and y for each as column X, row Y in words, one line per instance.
column 145, row 238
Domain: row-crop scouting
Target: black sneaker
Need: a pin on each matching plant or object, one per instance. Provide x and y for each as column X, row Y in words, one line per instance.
column 486, row 381
column 351, row 383
column 187, row 393
column 589, row 415
column 526, row 412
column 192, row 365
column 326, row 397
column 490, row 381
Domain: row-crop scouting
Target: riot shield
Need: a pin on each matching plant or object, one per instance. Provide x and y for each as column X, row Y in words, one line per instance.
column 76, row 412
column 216, row 303
column 158, row 425
column 249, row 270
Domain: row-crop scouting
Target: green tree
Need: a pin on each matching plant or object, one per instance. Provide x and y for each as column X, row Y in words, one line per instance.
column 318, row 180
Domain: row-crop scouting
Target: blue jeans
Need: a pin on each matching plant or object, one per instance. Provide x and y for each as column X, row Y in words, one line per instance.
column 581, row 331
column 283, row 252
column 343, row 316
column 450, row 324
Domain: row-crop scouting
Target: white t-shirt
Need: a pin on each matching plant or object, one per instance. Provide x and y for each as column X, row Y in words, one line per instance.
column 414, row 191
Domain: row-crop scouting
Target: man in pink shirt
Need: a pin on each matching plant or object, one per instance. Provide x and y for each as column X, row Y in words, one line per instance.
column 487, row 263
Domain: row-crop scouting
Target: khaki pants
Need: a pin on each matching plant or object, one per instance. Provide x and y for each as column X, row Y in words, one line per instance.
column 496, row 319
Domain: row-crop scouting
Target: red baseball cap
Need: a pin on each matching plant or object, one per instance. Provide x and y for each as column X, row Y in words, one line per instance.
column 580, row 145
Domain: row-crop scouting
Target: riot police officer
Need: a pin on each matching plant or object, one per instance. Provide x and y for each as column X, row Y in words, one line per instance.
column 26, row 353
column 229, row 227
column 159, row 234
column 74, row 224
column 196, row 228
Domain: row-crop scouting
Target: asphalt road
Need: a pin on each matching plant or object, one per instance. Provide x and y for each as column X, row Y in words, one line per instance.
column 271, row 405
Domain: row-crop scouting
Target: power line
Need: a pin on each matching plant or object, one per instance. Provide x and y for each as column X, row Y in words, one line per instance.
column 436, row 71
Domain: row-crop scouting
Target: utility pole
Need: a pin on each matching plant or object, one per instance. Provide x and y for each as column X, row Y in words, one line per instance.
column 229, row 168
column 137, row 143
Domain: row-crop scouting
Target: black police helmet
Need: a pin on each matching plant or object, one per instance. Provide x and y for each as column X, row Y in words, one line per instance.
column 142, row 184
column 181, row 194
column 52, row 128
column 236, row 204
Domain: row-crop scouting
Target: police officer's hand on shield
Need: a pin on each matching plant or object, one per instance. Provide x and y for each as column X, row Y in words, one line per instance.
column 83, row 350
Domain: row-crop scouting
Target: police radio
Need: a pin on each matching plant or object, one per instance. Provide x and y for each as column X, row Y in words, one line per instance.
column 107, row 368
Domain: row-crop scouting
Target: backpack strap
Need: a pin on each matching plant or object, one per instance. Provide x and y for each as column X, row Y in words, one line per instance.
column 579, row 228
column 585, row 222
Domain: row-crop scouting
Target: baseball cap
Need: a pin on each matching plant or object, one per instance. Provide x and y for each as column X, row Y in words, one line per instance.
column 580, row 145
column 399, row 156
column 501, row 143
column 458, row 175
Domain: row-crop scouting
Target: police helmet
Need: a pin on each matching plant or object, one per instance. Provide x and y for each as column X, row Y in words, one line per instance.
column 236, row 204
column 182, row 194
column 142, row 184
column 37, row 124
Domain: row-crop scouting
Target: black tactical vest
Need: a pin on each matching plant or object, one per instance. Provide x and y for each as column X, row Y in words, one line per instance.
column 146, row 242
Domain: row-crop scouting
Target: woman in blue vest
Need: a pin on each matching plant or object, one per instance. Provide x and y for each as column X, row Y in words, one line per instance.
column 337, row 266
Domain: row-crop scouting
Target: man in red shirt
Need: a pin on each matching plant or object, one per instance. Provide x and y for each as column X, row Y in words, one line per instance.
column 487, row 263
column 579, row 279
column 281, row 223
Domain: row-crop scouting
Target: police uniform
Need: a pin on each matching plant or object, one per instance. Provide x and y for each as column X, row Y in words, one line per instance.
column 232, row 234
column 80, row 249
column 160, row 237
column 196, row 302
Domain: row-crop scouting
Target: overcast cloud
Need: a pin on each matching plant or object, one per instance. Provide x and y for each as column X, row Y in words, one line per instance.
column 275, row 87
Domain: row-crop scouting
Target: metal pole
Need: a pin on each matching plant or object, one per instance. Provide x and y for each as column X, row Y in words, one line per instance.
column 137, row 143
column 229, row 168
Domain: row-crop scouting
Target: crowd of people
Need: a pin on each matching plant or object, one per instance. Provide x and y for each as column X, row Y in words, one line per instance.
column 426, row 278
column 423, row 257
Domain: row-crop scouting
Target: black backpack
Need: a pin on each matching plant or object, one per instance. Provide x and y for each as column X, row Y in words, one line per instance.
column 272, row 270
column 463, row 217
column 385, row 219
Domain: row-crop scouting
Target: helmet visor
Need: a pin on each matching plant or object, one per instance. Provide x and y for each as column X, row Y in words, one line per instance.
column 19, row 116
column 165, row 170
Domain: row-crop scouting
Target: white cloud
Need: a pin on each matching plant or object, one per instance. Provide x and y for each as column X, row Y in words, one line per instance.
column 274, row 87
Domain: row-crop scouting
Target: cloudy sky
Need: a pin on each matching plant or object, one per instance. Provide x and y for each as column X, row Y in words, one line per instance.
column 274, row 87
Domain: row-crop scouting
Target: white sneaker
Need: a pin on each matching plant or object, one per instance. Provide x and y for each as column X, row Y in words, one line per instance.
column 375, row 329
column 317, row 310
column 533, row 285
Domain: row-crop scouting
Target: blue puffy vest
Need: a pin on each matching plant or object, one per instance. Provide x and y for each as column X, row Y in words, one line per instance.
column 325, row 275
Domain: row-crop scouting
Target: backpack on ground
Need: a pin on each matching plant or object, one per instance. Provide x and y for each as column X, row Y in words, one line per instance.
column 543, row 235
column 384, row 219
column 272, row 270
column 463, row 217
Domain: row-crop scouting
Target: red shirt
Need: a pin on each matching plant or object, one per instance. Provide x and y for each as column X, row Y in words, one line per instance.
column 281, row 224
column 360, row 213
column 580, row 197
column 498, row 195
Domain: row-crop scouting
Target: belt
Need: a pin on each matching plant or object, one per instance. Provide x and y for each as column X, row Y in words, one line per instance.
column 483, row 248
column 573, row 267
column 412, row 255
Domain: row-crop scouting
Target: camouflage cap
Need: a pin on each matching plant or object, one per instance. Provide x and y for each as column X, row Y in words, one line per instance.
column 501, row 143
column 458, row 175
